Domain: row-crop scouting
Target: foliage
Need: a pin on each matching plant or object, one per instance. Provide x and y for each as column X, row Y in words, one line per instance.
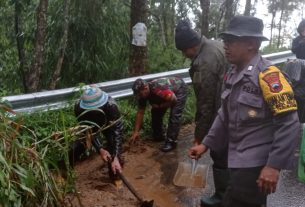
column 164, row 59
column 9, row 81
column 98, row 39
column 26, row 177
column 272, row 49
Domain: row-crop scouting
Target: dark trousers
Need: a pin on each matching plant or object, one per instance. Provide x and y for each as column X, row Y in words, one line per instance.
column 243, row 190
column 174, row 120
column 78, row 147
column 220, row 158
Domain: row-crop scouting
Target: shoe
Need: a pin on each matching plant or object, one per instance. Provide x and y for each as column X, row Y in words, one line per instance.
column 168, row 146
column 213, row 201
column 221, row 179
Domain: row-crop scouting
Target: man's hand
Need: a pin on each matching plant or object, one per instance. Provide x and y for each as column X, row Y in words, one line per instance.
column 135, row 136
column 105, row 155
column 196, row 151
column 196, row 142
column 268, row 179
column 116, row 166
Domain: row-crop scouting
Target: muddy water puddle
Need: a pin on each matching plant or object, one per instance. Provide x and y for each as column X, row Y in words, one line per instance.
column 153, row 172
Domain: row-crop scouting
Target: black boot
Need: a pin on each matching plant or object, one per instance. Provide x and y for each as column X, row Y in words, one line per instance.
column 169, row 145
column 221, row 179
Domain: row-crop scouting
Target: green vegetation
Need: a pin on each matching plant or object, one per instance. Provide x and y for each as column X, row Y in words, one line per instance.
column 96, row 49
column 27, row 176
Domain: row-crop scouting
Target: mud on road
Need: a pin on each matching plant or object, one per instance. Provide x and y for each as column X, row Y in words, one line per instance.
column 151, row 173
column 149, row 170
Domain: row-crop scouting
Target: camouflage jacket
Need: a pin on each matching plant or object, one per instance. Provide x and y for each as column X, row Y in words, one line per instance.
column 207, row 71
column 160, row 88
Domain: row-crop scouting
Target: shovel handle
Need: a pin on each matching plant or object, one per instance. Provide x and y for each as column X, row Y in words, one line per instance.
column 194, row 166
column 129, row 186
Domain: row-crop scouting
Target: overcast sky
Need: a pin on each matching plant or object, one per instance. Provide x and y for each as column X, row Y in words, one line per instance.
column 262, row 13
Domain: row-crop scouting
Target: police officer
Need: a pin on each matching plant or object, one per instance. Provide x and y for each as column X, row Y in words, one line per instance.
column 207, row 70
column 258, row 116
column 162, row 94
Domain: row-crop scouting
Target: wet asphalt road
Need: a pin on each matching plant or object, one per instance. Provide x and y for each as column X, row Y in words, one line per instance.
column 290, row 191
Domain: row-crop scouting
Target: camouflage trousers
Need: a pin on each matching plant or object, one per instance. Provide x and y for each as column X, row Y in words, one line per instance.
column 174, row 120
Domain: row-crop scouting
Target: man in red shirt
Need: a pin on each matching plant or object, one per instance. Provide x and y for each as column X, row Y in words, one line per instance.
column 161, row 93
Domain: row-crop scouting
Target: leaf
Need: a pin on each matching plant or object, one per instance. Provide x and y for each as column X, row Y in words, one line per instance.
column 3, row 161
column 26, row 189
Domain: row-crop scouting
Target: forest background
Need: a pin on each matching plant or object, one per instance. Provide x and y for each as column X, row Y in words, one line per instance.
column 48, row 45
column 54, row 44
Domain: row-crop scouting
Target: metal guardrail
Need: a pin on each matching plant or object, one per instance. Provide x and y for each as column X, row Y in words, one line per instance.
column 56, row 99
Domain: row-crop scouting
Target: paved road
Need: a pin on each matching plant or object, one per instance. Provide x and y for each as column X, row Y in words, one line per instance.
column 290, row 192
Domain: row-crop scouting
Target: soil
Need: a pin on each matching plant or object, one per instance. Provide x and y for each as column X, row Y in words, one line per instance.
column 150, row 172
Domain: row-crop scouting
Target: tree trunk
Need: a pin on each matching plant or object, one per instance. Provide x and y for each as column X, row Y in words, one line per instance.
column 280, row 30
column 229, row 12
column 218, row 23
column 272, row 10
column 63, row 45
column 162, row 31
column 164, row 10
column 271, row 28
column 247, row 8
column 138, row 54
column 34, row 74
column 205, row 9
column 172, row 20
column 20, row 43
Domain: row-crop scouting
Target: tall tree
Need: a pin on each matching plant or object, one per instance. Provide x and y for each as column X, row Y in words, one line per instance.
column 138, row 54
column 230, row 9
column 272, row 8
column 217, row 13
column 205, row 9
column 285, row 8
column 248, row 7
column 20, row 42
column 33, row 76
column 62, row 47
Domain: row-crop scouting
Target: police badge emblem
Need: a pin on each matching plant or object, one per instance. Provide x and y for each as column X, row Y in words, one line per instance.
column 273, row 81
column 252, row 113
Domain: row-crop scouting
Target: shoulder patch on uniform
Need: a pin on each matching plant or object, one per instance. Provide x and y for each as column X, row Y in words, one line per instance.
column 273, row 81
column 277, row 91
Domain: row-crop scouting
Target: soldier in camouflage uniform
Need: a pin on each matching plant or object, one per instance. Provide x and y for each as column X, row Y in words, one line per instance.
column 258, row 116
column 207, row 70
column 161, row 93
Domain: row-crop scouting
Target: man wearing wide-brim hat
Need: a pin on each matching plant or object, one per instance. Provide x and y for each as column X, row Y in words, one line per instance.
column 258, row 115
column 97, row 109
